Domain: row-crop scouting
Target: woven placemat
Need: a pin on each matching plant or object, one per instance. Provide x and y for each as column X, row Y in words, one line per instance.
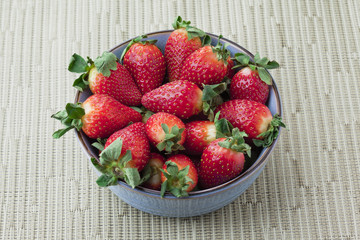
column 308, row 190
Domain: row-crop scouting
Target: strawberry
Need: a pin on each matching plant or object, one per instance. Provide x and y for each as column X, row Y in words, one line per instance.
column 98, row 116
column 145, row 62
column 183, row 98
column 166, row 132
column 223, row 159
column 207, row 65
column 126, row 153
column 252, row 81
column 183, row 41
column 179, row 176
column 154, row 165
column 134, row 138
column 199, row 134
column 105, row 76
column 253, row 118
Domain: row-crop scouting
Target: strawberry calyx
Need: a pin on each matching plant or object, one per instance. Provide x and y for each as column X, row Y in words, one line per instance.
column 223, row 127
column 172, row 137
column 192, row 31
column 268, row 137
column 221, row 51
column 70, row 117
column 113, row 167
column 211, row 98
column 104, row 63
column 258, row 64
column 137, row 40
column 145, row 113
column 176, row 180
column 236, row 142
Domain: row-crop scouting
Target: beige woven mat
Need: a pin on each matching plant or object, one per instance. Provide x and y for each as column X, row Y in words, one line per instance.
column 309, row 190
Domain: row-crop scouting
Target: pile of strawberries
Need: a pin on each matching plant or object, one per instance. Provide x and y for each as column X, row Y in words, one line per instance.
column 173, row 121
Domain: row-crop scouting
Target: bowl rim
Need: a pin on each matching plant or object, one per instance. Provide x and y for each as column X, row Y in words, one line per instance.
column 260, row 161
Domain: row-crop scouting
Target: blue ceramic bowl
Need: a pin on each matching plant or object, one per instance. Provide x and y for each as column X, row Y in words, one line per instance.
column 201, row 201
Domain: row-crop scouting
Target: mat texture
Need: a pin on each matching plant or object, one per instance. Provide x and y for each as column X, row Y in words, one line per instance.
column 308, row 190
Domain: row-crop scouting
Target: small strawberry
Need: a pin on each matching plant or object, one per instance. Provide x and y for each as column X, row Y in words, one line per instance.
column 155, row 163
column 183, row 41
column 179, row 176
column 199, row 134
column 126, row 153
column 166, row 132
column 134, row 138
column 105, row 76
column 223, row 159
column 207, row 65
column 252, row 81
column 145, row 62
column 183, row 99
column 253, row 118
column 99, row 116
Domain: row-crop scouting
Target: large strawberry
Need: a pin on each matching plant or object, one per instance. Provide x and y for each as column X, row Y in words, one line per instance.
column 252, row 81
column 154, row 165
column 183, row 98
column 99, row 116
column 199, row 134
column 126, row 153
column 105, row 75
column 179, row 176
column 145, row 62
column 223, row 159
column 207, row 65
column 166, row 132
column 253, row 118
column 183, row 41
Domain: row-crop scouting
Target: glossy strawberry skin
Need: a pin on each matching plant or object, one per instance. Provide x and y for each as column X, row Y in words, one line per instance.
column 155, row 163
column 181, row 98
column 154, row 130
column 182, row 161
column 246, row 84
column 203, row 67
column 219, row 165
column 119, row 85
column 134, row 139
column 249, row 116
column 199, row 134
column 230, row 72
column 146, row 64
column 178, row 47
column 104, row 115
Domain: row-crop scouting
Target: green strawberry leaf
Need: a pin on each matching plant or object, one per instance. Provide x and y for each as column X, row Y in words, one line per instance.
column 132, row 177
column 223, row 127
column 59, row 133
column 99, row 144
column 77, row 64
column 206, row 40
column 211, row 98
column 98, row 166
column 262, row 62
column 60, row 115
column 236, row 142
column 81, row 83
column 163, row 188
column 272, row 65
column 256, row 57
column 264, row 75
column 268, row 137
column 74, row 110
column 106, row 62
column 106, row 180
column 169, row 144
column 176, row 180
column 112, row 152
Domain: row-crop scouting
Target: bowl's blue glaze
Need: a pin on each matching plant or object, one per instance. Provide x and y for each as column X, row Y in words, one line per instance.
column 198, row 202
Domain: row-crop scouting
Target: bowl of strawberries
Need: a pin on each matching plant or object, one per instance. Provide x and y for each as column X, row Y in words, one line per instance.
column 176, row 123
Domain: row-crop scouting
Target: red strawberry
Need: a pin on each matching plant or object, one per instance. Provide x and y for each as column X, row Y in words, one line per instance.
column 252, row 81
column 105, row 76
column 166, row 132
column 182, row 98
column 99, row 116
column 199, row 134
column 207, row 65
column 222, row 160
column 145, row 62
column 155, row 163
column 126, row 153
column 179, row 176
column 230, row 71
column 253, row 118
column 134, row 138
column 183, row 41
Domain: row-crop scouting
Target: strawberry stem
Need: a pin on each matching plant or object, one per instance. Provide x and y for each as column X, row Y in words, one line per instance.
column 221, row 52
